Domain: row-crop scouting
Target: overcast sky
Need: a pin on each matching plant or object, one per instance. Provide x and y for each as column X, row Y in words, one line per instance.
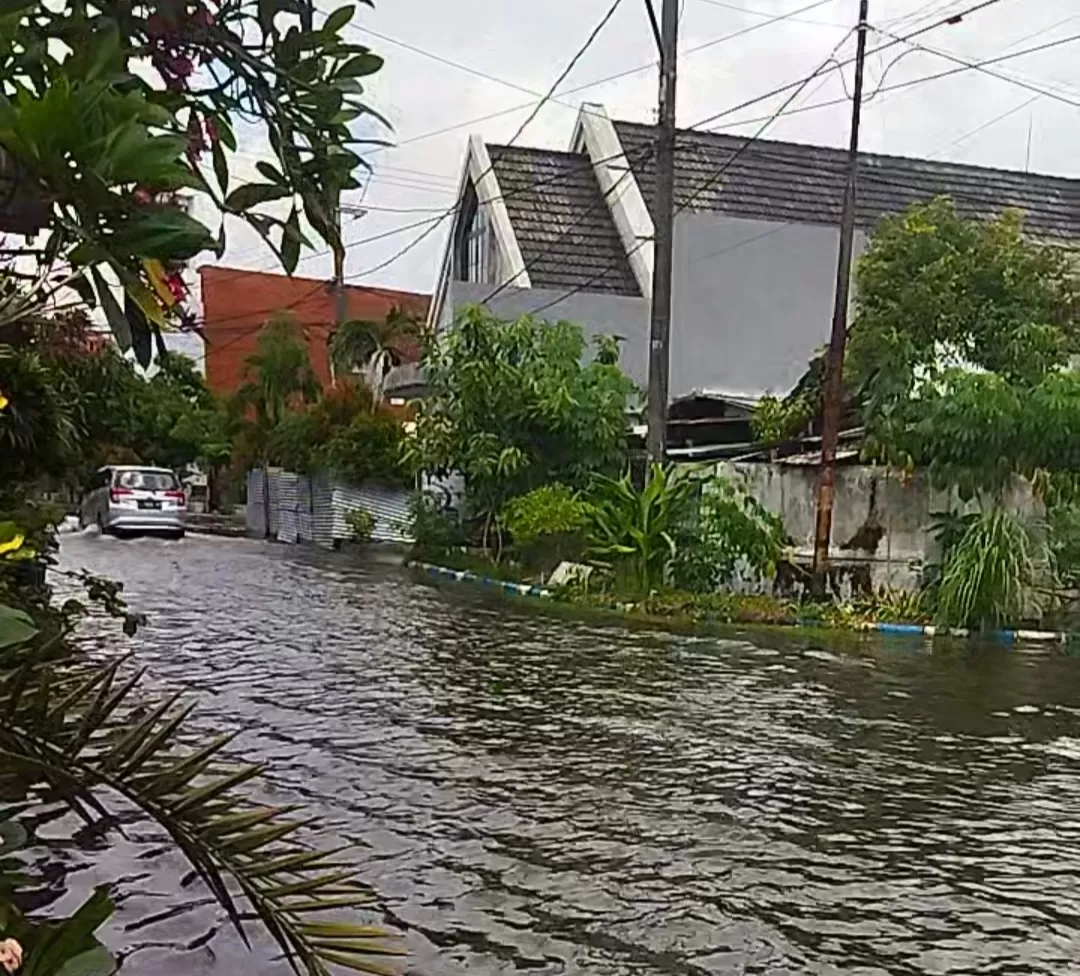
column 969, row 117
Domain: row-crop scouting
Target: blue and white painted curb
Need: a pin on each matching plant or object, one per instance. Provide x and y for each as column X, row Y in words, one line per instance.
column 464, row 576
column 896, row 630
column 1005, row 636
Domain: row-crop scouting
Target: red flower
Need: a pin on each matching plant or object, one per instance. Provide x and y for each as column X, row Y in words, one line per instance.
column 176, row 285
column 181, row 66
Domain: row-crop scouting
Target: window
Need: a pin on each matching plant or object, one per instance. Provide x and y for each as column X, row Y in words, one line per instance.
column 146, row 480
column 475, row 256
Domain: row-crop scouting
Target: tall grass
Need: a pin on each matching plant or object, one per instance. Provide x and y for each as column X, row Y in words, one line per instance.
column 995, row 573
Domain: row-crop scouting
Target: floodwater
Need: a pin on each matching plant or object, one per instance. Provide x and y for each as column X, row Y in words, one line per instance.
column 542, row 795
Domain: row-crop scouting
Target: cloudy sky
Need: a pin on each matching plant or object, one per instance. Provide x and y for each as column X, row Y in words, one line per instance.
column 522, row 47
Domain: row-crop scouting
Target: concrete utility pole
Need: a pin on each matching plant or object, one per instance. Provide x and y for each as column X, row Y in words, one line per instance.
column 663, row 218
column 833, row 397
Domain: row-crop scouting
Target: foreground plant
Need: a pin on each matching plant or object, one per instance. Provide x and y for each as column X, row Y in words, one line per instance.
column 86, row 735
column 108, row 110
column 995, row 573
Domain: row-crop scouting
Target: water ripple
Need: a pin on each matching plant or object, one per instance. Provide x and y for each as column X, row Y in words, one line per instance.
column 543, row 795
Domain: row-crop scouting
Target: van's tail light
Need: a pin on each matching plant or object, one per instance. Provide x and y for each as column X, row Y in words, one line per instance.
column 116, row 494
column 177, row 494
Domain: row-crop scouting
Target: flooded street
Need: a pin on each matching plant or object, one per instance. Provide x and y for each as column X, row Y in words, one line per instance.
column 545, row 795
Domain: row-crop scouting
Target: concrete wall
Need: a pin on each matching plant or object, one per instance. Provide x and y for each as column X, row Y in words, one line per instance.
column 752, row 301
column 881, row 520
column 616, row 315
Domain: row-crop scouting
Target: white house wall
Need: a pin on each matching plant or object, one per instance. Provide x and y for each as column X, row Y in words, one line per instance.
column 616, row 315
column 752, row 301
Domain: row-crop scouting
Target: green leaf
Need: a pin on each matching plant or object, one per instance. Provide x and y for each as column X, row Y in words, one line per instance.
column 272, row 173
column 360, row 66
column 118, row 322
column 221, row 166
column 12, row 837
column 250, row 195
column 338, row 19
column 16, row 627
column 94, row 962
column 163, row 233
column 291, row 239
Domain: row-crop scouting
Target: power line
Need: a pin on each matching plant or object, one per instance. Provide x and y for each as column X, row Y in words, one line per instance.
column 923, row 79
column 869, row 176
column 716, row 176
column 981, row 67
column 435, row 222
column 986, row 125
column 618, row 76
column 799, row 85
column 763, row 13
column 786, row 88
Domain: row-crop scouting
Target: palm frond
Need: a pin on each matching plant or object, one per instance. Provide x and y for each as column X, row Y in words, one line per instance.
column 87, row 731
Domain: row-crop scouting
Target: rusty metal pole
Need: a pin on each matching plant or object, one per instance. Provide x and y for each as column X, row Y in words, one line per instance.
column 833, row 397
column 660, row 320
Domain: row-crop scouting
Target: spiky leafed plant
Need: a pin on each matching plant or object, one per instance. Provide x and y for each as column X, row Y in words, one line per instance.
column 84, row 731
column 372, row 347
column 995, row 573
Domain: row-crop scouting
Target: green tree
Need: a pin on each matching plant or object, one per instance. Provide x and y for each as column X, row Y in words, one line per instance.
column 373, row 348
column 960, row 350
column 278, row 377
column 108, row 110
column 514, row 405
column 960, row 347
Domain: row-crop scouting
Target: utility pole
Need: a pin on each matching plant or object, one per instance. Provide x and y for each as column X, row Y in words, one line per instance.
column 341, row 310
column 663, row 217
column 833, row 398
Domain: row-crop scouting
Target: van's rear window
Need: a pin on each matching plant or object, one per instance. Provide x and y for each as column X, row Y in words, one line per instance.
column 146, row 480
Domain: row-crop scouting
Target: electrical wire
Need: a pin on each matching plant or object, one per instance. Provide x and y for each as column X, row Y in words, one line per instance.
column 981, row 67
column 799, row 86
column 843, row 64
column 435, row 222
column 986, row 125
column 711, row 180
column 872, row 177
column 763, row 13
column 921, row 80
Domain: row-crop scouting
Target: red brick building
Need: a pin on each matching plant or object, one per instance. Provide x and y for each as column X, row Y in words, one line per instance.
column 236, row 305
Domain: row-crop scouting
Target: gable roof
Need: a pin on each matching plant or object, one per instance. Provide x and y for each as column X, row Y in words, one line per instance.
column 800, row 183
column 561, row 220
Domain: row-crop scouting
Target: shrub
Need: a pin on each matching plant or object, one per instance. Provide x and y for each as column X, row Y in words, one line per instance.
column 434, row 525
column 369, row 448
column 361, row 524
column 548, row 525
column 993, row 575
column 732, row 532
column 634, row 531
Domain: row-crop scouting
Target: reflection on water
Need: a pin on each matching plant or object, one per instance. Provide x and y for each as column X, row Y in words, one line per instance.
column 540, row 794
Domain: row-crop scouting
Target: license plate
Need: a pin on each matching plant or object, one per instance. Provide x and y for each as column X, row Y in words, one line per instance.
column 149, row 503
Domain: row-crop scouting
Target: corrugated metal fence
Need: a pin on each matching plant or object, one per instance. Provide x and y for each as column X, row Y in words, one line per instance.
column 316, row 509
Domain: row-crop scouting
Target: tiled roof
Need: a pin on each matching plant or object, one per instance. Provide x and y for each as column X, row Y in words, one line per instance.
column 792, row 182
column 563, row 224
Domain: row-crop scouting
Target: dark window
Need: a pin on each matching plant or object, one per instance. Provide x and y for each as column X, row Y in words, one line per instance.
column 474, row 247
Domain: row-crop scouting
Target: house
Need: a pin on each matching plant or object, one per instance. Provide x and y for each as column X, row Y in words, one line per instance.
column 236, row 305
column 568, row 235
